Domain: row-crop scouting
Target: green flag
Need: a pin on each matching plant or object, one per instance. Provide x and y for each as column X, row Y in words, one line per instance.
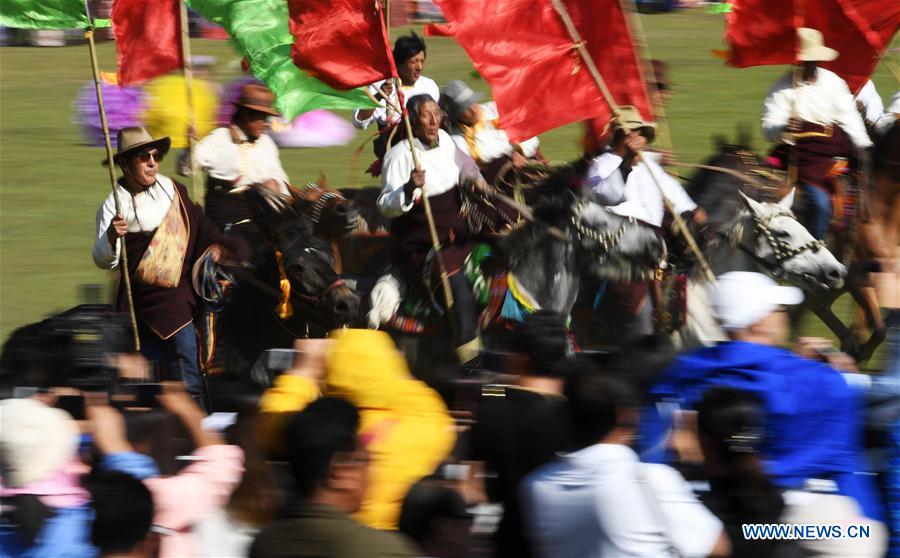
column 43, row 14
column 259, row 31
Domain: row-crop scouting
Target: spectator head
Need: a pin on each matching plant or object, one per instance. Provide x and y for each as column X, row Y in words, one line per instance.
column 158, row 433
column 604, row 409
column 434, row 516
column 36, row 441
column 328, row 461
column 409, row 55
column 123, row 513
column 542, row 339
column 731, row 423
column 749, row 307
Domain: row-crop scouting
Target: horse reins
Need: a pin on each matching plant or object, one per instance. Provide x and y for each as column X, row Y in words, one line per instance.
column 782, row 250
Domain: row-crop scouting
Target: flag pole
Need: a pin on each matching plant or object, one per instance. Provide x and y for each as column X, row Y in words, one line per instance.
column 796, row 76
column 592, row 69
column 123, row 253
column 196, row 184
column 649, row 71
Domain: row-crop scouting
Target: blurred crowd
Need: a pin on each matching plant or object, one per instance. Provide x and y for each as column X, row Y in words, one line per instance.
column 548, row 452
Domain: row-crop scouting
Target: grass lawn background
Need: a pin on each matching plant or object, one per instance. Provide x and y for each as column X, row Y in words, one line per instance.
column 51, row 183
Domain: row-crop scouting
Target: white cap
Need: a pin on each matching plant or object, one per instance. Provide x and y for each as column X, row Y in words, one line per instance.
column 35, row 441
column 743, row 298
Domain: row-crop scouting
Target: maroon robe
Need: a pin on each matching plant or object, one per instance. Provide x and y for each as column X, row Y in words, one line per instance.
column 815, row 154
column 167, row 310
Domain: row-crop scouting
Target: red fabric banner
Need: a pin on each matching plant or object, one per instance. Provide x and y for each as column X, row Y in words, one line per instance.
column 148, row 38
column 538, row 79
column 763, row 32
column 341, row 42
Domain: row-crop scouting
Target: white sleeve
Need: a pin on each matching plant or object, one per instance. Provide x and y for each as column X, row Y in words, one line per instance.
column 461, row 143
column 364, row 123
column 104, row 255
column 530, row 146
column 602, row 182
column 394, row 176
column 776, row 112
column 468, row 168
column 673, row 189
column 690, row 527
column 848, row 115
column 205, row 151
column 277, row 171
column 434, row 91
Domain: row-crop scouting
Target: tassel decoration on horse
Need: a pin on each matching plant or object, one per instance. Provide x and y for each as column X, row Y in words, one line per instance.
column 284, row 308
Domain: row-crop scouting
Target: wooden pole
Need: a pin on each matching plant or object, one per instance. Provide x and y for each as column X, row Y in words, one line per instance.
column 592, row 68
column 123, row 253
column 196, row 182
column 665, row 137
column 792, row 151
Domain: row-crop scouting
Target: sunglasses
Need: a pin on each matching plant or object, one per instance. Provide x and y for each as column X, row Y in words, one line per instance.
column 145, row 156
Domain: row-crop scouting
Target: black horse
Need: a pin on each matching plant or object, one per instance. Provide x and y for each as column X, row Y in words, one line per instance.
column 290, row 286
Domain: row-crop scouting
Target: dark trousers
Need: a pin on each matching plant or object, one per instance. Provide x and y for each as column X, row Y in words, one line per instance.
column 177, row 355
column 464, row 309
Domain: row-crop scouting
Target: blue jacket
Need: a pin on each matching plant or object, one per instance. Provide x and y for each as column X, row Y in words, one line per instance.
column 814, row 428
column 68, row 533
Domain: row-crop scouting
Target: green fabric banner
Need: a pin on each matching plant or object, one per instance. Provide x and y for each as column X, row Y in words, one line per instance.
column 44, row 14
column 259, row 32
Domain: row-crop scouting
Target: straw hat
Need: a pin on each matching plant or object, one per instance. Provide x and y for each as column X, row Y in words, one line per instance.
column 629, row 116
column 811, row 46
column 132, row 139
column 257, row 97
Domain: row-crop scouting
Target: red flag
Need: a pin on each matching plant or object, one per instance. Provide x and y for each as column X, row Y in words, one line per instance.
column 148, row 38
column 341, row 42
column 538, row 79
column 764, row 32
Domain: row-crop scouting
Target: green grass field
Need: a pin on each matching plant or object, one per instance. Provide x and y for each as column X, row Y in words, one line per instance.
column 51, row 184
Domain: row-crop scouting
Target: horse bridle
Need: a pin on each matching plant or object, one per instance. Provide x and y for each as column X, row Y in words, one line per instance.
column 607, row 240
column 325, row 198
column 781, row 249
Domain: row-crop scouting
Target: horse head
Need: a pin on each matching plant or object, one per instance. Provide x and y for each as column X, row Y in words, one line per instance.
column 333, row 215
column 771, row 236
column 305, row 258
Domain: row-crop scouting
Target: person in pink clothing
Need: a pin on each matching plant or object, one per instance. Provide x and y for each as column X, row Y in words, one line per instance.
column 197, row 491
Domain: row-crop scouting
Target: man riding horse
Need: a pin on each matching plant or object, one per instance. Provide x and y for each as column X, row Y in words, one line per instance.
column 818, row 121
column 444, row 170
column 475, row 129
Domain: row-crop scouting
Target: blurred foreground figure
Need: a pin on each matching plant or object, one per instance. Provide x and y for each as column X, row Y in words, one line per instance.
column 330, row 466
column 602, row 502
column 817, row 119
column 814, row 420
column 403, row 423
column 165, row 234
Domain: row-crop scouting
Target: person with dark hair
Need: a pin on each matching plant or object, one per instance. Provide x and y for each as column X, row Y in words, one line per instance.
column 434, row 516
column 521, row 427
column 238, row 157
column 731, row 426
column 123, row 515
column 330, row 470
column 601, row 501
column 441, row 173
column 409, row 55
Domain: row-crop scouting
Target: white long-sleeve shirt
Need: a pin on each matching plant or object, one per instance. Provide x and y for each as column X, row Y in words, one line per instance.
column 152, row 205
column 638, row 196
column 383, row 115
column 825, row 101
column 492, row 142
column 252, row 162
column 870, row 99
column 889, row 116
column 445, row 166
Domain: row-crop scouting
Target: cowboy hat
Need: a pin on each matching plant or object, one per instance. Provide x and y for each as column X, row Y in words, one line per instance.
column 628, row 116
column 811, row 46
column 257, row 97
column 458, row 97
column 132, row 139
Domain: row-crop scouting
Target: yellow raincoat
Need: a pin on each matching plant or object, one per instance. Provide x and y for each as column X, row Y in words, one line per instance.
column 403, row 423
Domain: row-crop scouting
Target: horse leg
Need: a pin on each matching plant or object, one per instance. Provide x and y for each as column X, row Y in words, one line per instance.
column 865, row 298
column 822, row 309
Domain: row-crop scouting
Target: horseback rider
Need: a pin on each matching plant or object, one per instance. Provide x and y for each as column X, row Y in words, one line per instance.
column 444, row 170
column 409, row 56
column 627, row 185
column 819, row 121
column 165, row 235
column 475, row 129
column 238, row 156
